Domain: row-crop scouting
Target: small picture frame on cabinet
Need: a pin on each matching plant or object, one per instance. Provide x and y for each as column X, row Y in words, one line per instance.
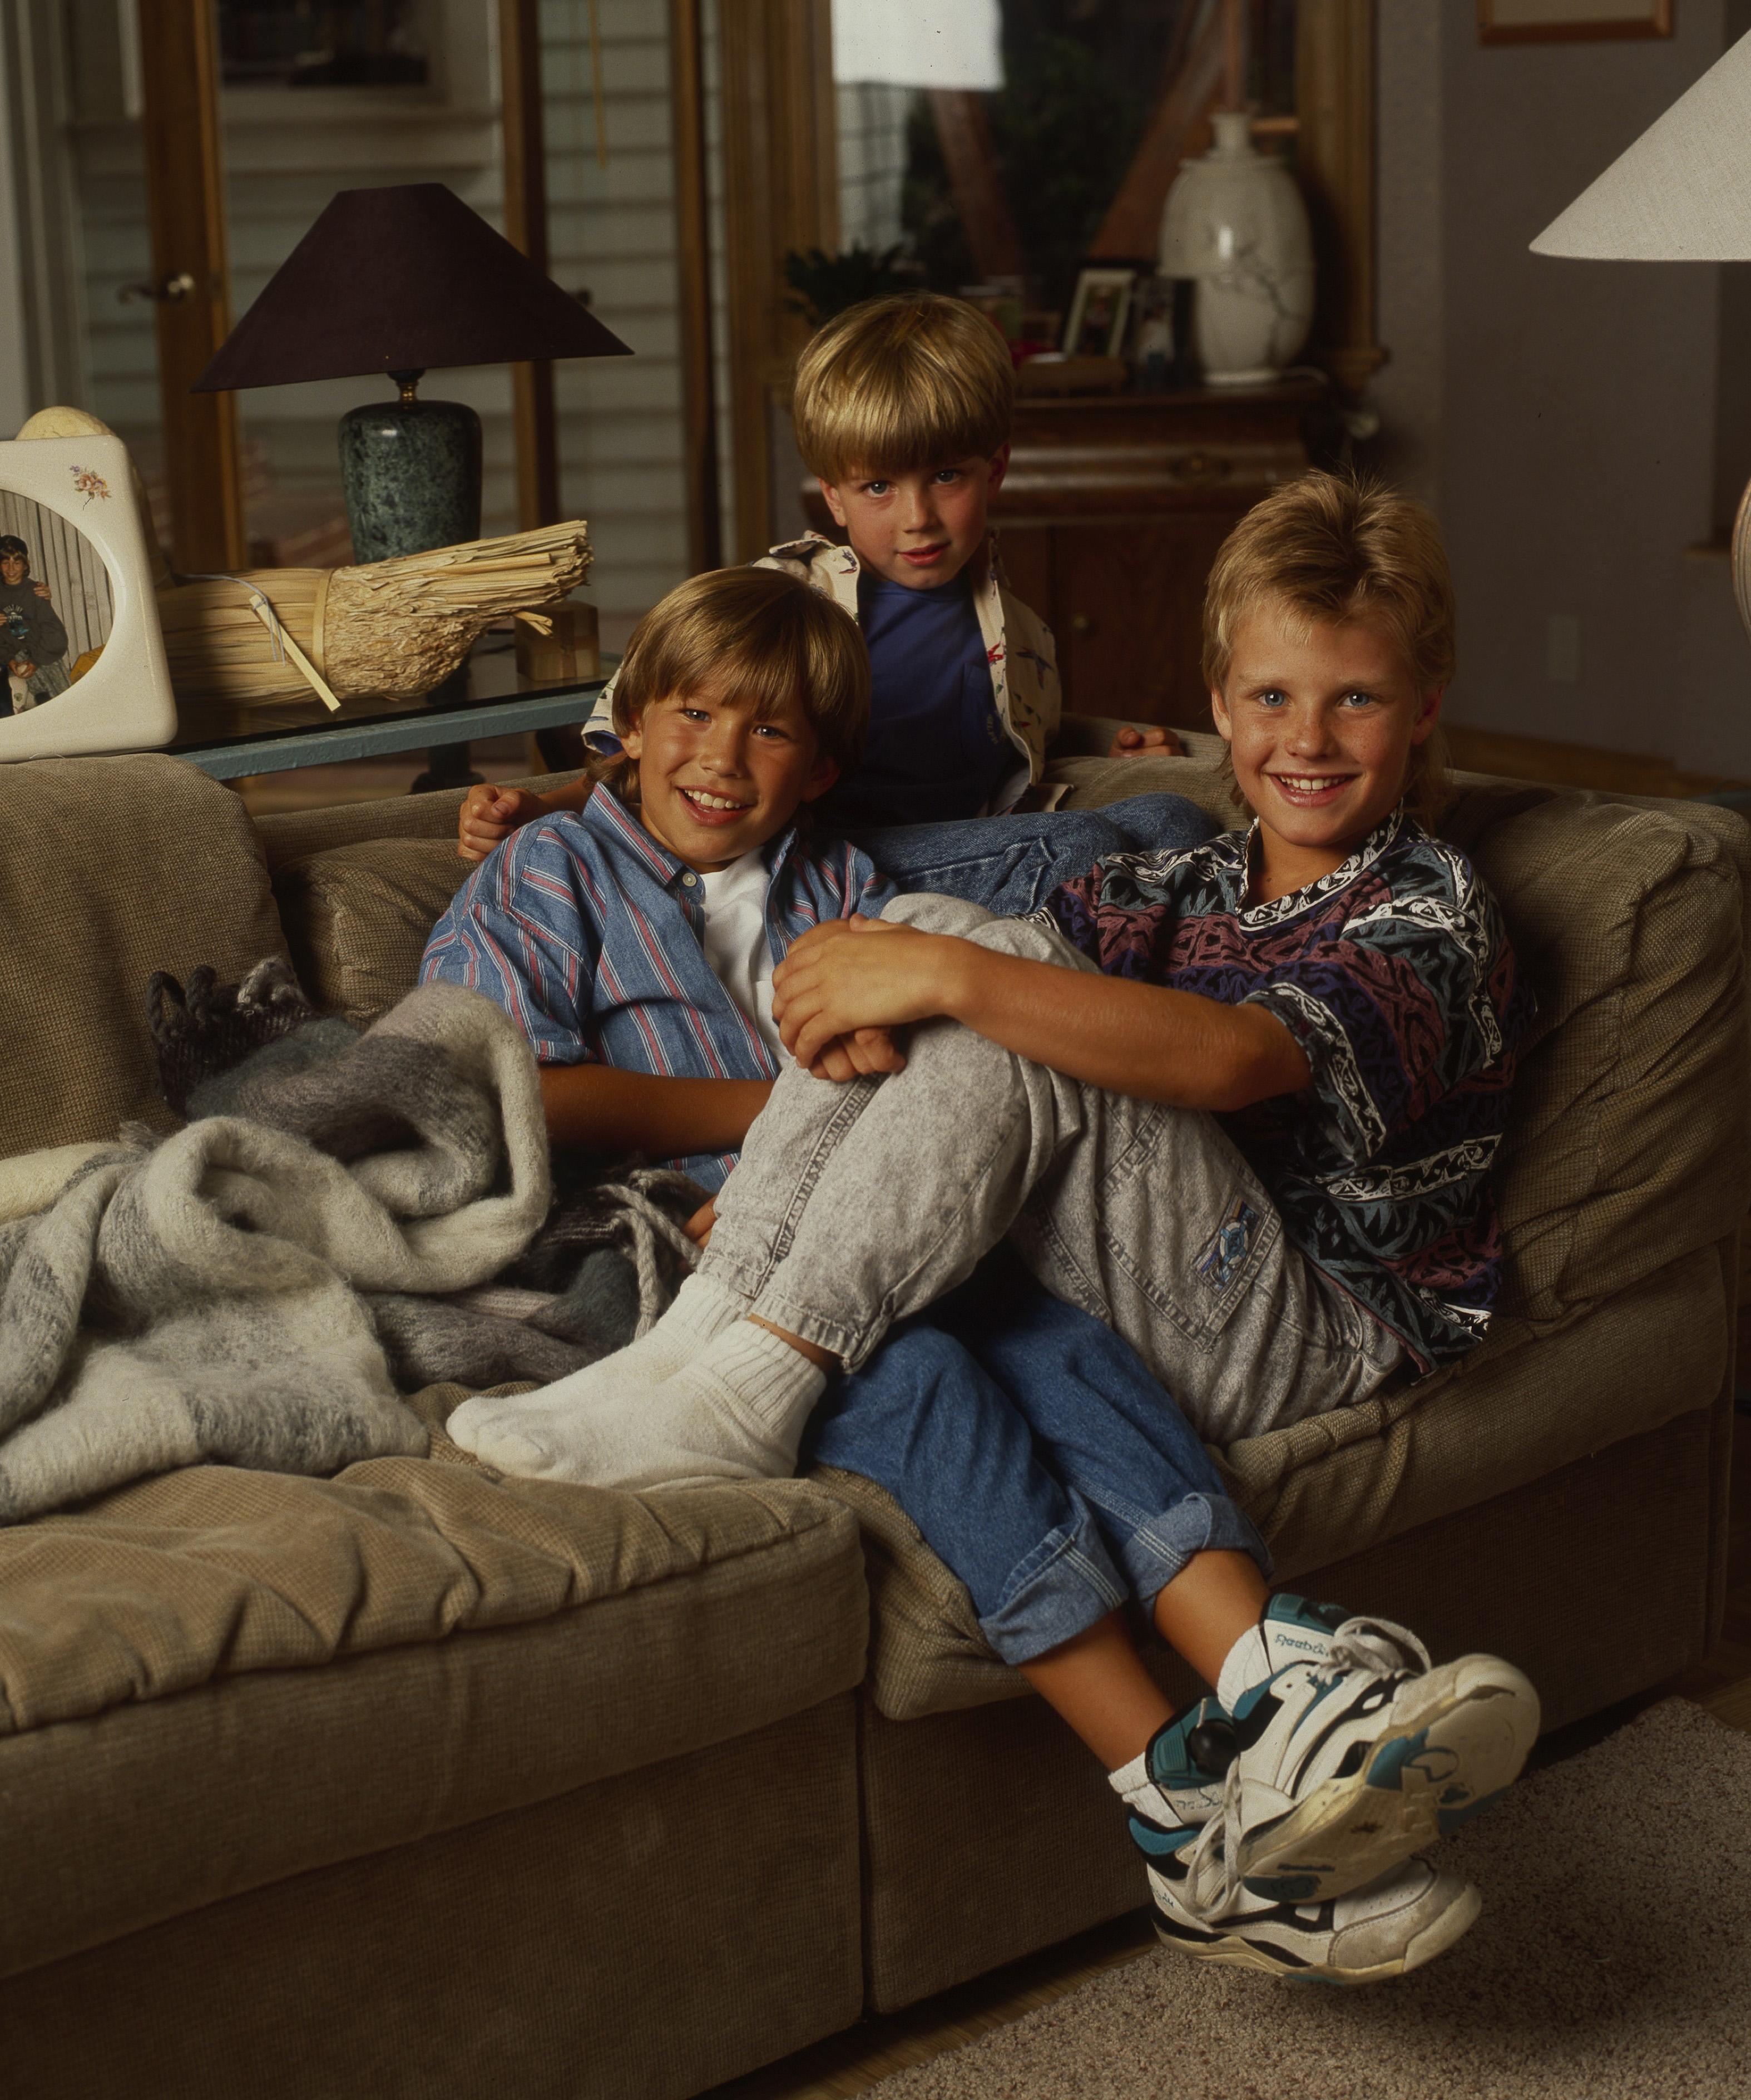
column 82, row 655
column 1570, row 21
column 1098, row 313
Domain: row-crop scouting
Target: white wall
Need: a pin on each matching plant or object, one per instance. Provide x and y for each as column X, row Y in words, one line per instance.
column 1561, row 416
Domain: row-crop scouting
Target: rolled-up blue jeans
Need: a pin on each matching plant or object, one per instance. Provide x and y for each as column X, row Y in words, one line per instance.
column 1011, row 865
column 1036, row 1454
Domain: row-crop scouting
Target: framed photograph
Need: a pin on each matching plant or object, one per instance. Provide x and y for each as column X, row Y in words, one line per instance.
column 1098, row 313
column 81, row 657
column 1570, row 21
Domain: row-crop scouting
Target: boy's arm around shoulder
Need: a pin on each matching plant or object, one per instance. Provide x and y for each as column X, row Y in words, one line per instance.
column 489, row 813
column 1141, row 1039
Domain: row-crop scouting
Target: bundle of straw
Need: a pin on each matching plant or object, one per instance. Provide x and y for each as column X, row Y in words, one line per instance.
column 390, row 629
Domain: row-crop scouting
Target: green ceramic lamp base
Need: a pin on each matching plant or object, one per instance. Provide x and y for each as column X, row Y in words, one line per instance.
column 410, row 471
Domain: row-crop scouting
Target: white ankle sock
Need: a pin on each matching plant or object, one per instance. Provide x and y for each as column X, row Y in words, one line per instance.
column 1132, row 1784
column 1246, row 1664
column 611, row 1391
column 735, row 1411
column 700, row 1311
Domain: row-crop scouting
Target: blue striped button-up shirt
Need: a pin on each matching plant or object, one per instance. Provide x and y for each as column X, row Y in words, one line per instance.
column 588, row 933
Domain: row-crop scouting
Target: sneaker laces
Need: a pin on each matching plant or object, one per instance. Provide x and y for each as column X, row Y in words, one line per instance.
column 1377, row 1646
column 1212, row 1879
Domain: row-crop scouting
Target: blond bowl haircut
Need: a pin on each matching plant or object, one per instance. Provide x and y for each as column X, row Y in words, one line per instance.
column 1325, row 548
column 756, row 634
column 911, row 381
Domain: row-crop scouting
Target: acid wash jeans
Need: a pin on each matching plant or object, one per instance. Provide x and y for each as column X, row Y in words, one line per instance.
column 856, row 1206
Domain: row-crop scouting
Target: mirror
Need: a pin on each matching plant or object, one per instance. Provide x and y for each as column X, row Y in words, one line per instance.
column 82, row 659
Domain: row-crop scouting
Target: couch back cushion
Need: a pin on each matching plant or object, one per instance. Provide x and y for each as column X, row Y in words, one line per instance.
column 360, row 888
column 356, row 917
column 118, row 867
column 1629, row 1142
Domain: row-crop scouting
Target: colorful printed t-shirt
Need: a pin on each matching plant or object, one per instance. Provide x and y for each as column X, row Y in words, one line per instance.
column 591, row 936
column 1395, row 975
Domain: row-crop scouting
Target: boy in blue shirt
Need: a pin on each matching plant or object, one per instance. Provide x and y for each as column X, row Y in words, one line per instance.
column 1240, row 1101
column 903, row 407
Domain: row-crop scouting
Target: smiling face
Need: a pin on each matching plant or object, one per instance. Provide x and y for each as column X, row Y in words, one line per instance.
column 1320, row 726
column 921, row 526
column 14, row 568
column 715, row 781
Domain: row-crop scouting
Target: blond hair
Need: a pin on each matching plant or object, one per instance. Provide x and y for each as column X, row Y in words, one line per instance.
column 915, row 379
column 1327, row 548
column 760, row 634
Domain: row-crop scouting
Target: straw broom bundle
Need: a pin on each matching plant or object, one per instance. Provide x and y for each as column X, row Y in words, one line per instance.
column 390, row 629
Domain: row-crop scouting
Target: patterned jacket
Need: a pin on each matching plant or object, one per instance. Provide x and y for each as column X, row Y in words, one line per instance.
column 1018, row 646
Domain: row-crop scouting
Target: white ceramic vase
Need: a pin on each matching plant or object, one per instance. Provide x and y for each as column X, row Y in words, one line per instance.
column 1234, row 222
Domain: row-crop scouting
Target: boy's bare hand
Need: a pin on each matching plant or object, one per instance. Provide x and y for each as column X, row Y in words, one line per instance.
column 856, row 974
column 699, row 1227
column 1146, row 741
column 863, row 1053
column 490, row 814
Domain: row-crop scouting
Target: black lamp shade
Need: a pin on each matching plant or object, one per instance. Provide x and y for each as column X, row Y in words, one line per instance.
column 405, row 279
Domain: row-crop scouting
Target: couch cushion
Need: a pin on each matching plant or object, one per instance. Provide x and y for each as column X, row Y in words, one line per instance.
column 357, row 916
column 694, row 1620
column 216, row 1571
column 218, row 1678
column 290, row 835
column 120, row 867
column 1629, row 1141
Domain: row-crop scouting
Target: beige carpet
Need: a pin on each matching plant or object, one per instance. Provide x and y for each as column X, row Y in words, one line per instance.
column 1613, row 1960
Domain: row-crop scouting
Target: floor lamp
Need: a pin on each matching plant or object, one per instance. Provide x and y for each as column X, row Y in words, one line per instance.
column 1681, row 193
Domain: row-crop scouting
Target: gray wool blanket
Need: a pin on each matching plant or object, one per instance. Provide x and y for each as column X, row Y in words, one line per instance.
column 248, row 1289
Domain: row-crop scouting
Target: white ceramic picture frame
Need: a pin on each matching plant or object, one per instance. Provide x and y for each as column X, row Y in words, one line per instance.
column 70, row 491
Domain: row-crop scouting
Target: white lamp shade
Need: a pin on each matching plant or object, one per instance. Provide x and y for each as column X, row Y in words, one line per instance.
column 1681, row 193
column 920, row 43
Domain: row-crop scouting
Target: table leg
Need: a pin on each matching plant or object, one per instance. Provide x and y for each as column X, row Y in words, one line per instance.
column 446, row 766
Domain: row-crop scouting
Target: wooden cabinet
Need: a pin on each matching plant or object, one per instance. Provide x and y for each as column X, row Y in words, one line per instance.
column 1111, row 515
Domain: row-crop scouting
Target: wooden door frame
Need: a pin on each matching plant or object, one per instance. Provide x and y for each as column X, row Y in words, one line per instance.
column 1335, row 159
column 183, row 143
column 693, row 255
column 535, row 421
column 781, row 192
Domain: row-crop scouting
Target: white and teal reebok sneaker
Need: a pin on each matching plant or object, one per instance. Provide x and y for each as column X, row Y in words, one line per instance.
column 1202, row 1909
column 1354, row 1753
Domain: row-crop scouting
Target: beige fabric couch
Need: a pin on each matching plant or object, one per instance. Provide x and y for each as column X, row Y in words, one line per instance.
column 419, row 1782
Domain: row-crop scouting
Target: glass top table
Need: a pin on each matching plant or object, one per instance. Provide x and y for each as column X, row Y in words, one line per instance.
column 229, row 741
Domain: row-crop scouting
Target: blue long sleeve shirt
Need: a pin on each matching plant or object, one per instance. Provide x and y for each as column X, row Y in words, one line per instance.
column 590, row 934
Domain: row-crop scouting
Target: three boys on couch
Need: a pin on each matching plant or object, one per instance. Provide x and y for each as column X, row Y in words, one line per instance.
column 1204, row 1119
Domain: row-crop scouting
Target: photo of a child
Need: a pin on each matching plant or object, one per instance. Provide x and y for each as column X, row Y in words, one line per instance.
column 55, row 604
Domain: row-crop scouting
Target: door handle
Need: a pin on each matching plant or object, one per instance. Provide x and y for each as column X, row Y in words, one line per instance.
column 1081, row 623
column 169, row 289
